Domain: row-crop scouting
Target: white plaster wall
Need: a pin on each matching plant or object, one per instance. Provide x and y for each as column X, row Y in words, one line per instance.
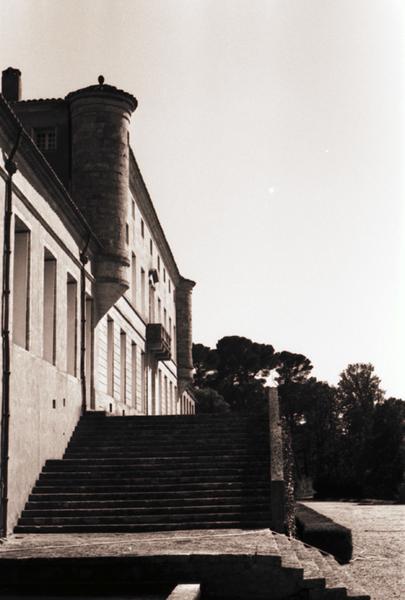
column 140, row 246
column 38, row 430
column 125, row 319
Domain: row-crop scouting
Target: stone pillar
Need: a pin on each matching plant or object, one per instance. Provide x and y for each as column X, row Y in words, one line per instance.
column 277, row 483
column 100, row 116
column 184, row 333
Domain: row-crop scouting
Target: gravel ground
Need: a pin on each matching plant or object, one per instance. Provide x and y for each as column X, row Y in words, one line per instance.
column 378, row 530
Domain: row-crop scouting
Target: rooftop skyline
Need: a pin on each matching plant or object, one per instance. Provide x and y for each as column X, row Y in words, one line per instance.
column 271, row 138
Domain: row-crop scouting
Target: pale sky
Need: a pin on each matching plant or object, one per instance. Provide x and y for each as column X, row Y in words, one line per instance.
column 271, row 136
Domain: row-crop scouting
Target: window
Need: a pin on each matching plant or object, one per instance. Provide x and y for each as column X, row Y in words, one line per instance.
column 172, row 411
column 165, row 318
column 159, row 406
column 144, row 395
column 170, row 286
column 21, row 285
column 49, row 304
column 71, row 326
column 143, row 292
column 151, row 247
column 142, row 228
column 134, row 382
column 89, row 350
column 110, row 356
column 133, row 209
column 167, row 409
column 158, row 263
column 127, row 233
column 45, row 138
column 133, row 279
column 151, row 304
column 123, row 366
column 170, row 327
column 159, row 319
column 164, row 275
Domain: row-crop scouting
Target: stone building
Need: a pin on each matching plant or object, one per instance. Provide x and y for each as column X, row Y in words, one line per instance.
column 98, row 314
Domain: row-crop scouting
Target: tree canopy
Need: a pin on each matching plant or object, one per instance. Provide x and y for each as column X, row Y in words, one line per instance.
column 346, row 439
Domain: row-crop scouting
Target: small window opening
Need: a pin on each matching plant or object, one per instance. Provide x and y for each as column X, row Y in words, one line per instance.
column 142, row 228
column 123, row 366
column 111, row 408
column 53, row 403
column 71, row 329
column 49, row 313
column 45, row 138
column 127, row 233
column 134, row 382
column 110, row 357
column 21, row 284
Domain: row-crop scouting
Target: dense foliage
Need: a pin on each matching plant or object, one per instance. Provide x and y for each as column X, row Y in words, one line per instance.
column 346, row 440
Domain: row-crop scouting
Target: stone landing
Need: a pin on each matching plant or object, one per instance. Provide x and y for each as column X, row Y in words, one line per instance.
column 229, row 564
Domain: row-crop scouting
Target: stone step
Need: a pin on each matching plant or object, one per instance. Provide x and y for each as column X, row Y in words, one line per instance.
column 89, row 518
column 185, row 487
column 136, row 442
column 218, row 444
column 134, row 528
column 97, row 416
column 151, row 493
column 147, row 463
column 115, row 471
column 159, row 426
column 125, row 478
column 171, row 454
column 42, row 505
column 146, row 509
column 320, row 566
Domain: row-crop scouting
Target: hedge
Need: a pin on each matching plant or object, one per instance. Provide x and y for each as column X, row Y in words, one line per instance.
column 323, row 533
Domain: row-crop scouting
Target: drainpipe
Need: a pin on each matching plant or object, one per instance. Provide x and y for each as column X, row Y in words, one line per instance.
column 11, row 168
column 84, row 260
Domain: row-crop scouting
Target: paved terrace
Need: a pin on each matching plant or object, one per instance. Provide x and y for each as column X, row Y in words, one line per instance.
column 95, row 545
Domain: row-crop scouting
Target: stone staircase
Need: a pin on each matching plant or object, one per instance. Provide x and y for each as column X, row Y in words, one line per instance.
column 165, row 474
column 134, row 474
column 323, row 576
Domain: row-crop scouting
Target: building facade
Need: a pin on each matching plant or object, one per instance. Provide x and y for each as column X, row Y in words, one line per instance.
column 98, row 316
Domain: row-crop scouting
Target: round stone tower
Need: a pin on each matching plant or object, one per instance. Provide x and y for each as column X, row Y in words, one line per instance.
column 184, row 333
column 100, row 116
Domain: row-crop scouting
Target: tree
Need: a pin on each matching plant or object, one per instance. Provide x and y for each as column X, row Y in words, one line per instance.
column 293, row 368
column 204, row 361
column 242, row 368
column 358, row 393
column 236, row 369
column 209, row 401
column 240, row 360
column 385, row 465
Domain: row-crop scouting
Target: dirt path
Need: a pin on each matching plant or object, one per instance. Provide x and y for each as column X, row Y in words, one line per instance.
column 378, row 544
